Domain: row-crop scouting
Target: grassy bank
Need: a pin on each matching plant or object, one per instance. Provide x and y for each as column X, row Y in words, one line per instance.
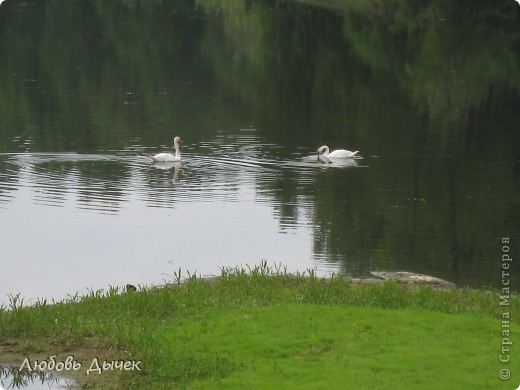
column 257, row 328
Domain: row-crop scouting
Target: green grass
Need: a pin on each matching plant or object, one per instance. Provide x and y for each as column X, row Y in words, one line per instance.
column 260, row 328
column 306, row 345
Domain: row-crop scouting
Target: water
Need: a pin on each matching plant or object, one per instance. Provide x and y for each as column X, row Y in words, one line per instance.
column 125, row 219
column 14, row 378
column 88, row 89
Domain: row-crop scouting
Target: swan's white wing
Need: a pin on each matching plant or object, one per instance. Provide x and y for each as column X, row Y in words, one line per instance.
column 163, row 157
column 342, row 153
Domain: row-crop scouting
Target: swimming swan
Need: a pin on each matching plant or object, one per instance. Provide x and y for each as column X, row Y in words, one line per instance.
column 167, row 157
column 340, row 153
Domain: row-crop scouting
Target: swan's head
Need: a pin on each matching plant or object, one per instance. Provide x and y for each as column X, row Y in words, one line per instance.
column 177, row 141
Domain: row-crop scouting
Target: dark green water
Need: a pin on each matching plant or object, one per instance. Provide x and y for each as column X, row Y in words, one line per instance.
column 428, row 94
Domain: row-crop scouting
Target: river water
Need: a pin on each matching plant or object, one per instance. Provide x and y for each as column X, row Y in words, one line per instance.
column 89, row 89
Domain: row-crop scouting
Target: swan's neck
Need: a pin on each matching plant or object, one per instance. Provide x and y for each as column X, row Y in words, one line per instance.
column 177, row 150
column 326, row 151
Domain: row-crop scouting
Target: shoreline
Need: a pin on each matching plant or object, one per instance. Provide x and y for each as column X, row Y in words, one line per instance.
column 114, row 325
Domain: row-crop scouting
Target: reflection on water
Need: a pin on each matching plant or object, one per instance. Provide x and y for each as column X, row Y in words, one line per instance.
column 14, row 378
column 105, row 182
column 428, row 94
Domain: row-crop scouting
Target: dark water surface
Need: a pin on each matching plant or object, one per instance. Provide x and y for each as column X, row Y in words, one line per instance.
column 429, row 95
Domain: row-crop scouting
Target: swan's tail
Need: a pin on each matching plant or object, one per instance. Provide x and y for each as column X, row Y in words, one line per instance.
column 355, row 155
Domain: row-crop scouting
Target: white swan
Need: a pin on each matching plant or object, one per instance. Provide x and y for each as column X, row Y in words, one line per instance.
column 340, row 153
column 167, row 157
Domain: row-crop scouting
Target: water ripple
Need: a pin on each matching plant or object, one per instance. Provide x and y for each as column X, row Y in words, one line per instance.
column 104, row 182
